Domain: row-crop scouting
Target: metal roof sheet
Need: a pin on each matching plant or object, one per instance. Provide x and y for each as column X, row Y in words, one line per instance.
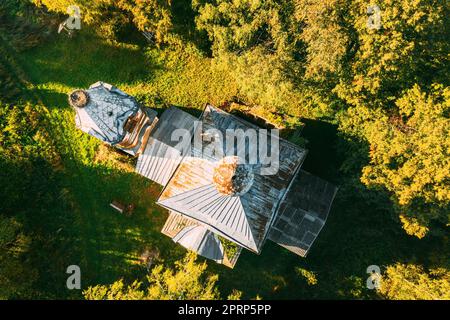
column 161, row 157
column 201, row 240
column 244, row 219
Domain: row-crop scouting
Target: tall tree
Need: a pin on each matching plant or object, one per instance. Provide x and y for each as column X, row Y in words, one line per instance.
column 153, row 16
column 408, row 150
column 237, row 26
column 188, row 281
column 412, row 282
column 410, row 157
column 411, row 46
column 324, row 35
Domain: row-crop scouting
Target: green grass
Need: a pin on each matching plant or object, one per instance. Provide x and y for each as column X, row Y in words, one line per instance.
column 360, row 232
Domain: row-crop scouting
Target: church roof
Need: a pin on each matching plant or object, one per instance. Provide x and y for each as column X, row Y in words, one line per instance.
column 213, row 189
column 244, row 218
column 303, row 213
column 161, row 157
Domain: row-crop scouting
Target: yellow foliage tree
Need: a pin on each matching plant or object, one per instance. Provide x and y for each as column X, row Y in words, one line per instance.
column 409, row 155
column 187, row 281
column 412, row 282
column 152, row 16
column 411, row 43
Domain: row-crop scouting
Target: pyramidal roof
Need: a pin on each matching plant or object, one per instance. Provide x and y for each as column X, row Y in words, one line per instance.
column 244, row 214
column 202, row 241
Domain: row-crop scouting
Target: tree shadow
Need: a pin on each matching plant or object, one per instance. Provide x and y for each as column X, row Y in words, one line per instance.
column 76, row 225
column 115, row 241
column 52, row 98
column 69, row 63
column 183, row 17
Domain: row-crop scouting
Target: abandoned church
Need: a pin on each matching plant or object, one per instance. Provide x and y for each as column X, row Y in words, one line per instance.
column 218, row 203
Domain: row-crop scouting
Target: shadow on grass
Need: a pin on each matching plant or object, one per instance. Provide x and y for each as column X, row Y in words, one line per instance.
column 78, row 62
column 114, row 241
column 183, row 16
column 77, row 226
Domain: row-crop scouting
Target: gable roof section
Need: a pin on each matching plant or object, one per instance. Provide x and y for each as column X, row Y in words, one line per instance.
column 303, row 213
column 244, row 219
column 161, row 157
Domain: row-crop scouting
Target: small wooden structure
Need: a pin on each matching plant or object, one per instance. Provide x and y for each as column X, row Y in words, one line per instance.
column 126, row 210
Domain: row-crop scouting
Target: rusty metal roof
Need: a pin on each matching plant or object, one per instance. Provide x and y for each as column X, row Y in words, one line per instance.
column 244, row 219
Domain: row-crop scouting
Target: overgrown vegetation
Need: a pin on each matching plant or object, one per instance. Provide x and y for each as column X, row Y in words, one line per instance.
column 375, row 109
column 187, row 282
column 230, row 248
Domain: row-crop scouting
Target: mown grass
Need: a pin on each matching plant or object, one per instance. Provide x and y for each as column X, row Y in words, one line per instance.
column 359, row 233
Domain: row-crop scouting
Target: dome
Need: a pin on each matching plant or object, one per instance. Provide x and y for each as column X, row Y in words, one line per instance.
column 79, row 98
column 232, row 178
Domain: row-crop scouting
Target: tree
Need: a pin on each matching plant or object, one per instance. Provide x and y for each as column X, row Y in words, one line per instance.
column 22, row 25
column 410, row 47
column 150, row 15
column 403, row 124
column 324, row 35
column 412, row 282
column 153, row 16
column 188, row 281
column 256, row 43
column 237, row 26
column 409, row 157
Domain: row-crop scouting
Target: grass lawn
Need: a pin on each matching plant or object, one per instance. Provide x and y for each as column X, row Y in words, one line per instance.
column 106, row 245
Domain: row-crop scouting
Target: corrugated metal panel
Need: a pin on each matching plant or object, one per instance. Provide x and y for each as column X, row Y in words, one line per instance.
column 172, row 119
column 158, row 161
column 224, row 214
column 177, row 222
column 202, row 241
column 259, row 204
column 160, row 158
column 303, row 213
